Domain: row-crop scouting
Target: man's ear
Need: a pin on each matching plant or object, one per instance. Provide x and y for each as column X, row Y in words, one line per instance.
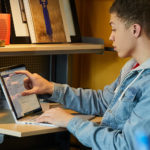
column 136, row 30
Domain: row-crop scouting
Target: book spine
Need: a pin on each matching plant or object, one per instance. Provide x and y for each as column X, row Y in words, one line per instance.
column 65, row 23
column 29, row 21
column 69, row 17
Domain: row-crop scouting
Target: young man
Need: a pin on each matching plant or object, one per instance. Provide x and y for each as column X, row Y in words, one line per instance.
column 125, row 104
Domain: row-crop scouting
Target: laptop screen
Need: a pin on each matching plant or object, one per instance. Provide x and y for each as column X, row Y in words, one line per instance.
column 14, row 85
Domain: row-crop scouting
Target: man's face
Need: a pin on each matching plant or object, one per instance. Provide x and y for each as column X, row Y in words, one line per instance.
column 122, row 37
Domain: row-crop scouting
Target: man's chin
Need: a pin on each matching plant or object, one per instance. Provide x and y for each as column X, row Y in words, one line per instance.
column 122, row 55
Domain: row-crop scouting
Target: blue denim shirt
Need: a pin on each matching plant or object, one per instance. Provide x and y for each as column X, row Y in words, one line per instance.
column 124, row 105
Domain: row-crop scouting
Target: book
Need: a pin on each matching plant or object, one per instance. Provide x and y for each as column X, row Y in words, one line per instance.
column 68, row 9
column 77, row 37
column 45, row 21
column 0, row 6
column 19, row 28
column 65, row 21
column 68, row 24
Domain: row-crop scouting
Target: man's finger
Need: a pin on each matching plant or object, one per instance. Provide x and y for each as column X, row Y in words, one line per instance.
column 25, row 72
column 45, row 114
column 28, row 92
column 27, row 84
column 43, row 119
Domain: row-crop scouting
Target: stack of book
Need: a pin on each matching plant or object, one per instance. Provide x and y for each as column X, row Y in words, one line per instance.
column 42, row 21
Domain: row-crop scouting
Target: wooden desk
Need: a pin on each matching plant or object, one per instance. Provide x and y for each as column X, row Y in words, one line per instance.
column 9, row 127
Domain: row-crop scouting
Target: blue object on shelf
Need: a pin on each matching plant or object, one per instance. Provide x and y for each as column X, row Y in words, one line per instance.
column 46, row 17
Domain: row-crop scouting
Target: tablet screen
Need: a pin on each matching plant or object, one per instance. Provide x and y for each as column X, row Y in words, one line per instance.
column 14, row 83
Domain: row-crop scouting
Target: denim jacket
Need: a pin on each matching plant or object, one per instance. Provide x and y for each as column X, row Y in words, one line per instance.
column 124, row 105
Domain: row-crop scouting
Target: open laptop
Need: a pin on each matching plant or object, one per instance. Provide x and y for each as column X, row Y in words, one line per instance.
column 24, row 109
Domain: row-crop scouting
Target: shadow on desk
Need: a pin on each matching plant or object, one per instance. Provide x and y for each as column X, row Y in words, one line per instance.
column 6, row 117
column 53, row 141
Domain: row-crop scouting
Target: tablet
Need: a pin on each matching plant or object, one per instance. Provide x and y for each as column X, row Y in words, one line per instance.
column 13, row 86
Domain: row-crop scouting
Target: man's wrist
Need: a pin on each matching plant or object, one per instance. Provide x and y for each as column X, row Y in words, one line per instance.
column 69, row 118
column 51, row 88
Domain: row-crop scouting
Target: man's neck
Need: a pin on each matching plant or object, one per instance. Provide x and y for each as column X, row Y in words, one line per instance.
column 142, row 50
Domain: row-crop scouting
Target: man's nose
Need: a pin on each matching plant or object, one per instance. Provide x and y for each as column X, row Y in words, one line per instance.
column 111, row 37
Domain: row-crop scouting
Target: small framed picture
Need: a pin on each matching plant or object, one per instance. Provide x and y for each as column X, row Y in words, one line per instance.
column 45, row 21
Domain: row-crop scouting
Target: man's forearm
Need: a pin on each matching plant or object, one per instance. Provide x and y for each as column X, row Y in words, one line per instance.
column 81, row 100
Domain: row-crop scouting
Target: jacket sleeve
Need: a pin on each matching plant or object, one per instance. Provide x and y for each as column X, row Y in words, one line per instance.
column 100, row 137
column 85, row 101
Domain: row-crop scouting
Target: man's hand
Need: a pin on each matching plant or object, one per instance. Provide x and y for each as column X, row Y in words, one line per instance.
column 35, row 84
column 56, row 116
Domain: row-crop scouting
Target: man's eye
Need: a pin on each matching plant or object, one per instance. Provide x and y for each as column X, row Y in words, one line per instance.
column 113, row 29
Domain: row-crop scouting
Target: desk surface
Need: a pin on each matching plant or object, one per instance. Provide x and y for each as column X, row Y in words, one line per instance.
column 9, row 127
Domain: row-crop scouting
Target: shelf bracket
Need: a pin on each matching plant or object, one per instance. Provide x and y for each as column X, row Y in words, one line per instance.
column 92, row 40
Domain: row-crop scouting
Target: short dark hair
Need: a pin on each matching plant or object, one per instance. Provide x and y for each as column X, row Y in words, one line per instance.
column 133, row 11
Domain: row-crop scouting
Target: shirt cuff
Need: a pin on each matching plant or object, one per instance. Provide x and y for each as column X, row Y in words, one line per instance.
column 58, row 94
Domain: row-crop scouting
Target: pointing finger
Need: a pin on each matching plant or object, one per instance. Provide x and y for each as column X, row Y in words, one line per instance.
column 27, row 73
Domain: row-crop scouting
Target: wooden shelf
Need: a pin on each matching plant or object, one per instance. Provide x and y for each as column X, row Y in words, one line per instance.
column 49, row 49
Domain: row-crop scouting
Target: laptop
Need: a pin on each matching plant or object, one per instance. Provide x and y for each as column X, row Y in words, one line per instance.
column 24, row 109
